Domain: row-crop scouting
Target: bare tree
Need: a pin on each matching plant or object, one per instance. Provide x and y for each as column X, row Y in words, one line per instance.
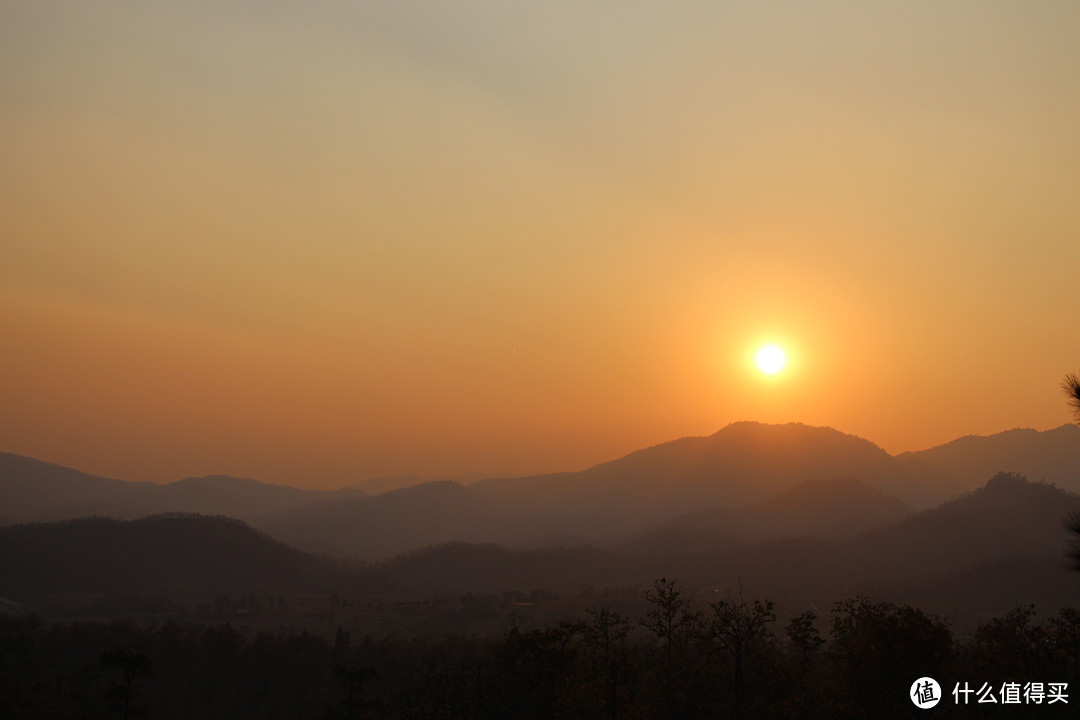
column 739, row 630
column 675, row 625
column 605, row 637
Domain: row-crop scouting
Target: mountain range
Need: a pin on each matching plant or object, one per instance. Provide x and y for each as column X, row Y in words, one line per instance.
column 32, row 490
column 1051, row 455
column 990, row 548
column 742, row 464
column 747, row 482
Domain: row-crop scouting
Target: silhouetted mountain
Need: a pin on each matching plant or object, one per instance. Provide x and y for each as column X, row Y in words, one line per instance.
column 391, row 522
column 815, row 508
column 31, row 490
column 1009, row 523
column 997, row 546
column 1004, row 540
column 240, row 497
column 377, row 485
column 741, row 466
column 743, row 463
column 1008, row 517
column 34, row 490
column 182, row 557
column 1051, row 455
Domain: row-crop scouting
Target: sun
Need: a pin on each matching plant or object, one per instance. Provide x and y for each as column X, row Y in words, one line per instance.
column 770, row 359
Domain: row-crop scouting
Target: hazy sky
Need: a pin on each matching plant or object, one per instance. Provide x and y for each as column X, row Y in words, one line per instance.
column 315, row 242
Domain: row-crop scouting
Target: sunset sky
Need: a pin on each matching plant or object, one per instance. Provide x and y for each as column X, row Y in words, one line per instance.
column 314, row 242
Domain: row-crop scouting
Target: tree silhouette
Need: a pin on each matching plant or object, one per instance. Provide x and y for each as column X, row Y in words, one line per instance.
column 129, row 665
column 675, row 625
column 356, row 680
column 604, row 635
column 739, row 629
column 1071, row 387
column 1011, row 644
column 879, row 648
column 804, row 636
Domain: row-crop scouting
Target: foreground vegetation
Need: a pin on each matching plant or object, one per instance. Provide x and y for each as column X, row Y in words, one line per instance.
column 728, row 658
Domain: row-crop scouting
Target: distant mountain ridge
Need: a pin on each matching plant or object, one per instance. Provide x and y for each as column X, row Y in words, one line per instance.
column 390, row 522
column 814, row 508
column 389, row 483
column 990, row 548
column 32, row 490
column 984, row 550
column 1050, row 455
column 734, row 473
column 742, row 463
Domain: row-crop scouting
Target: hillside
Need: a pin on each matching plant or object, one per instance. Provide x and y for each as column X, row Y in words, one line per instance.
column 745, row 462
column 188, row 558
column 1005, row 539
column 1010, row 524
column 815, row 508
column 397, row 521
column 1008, row 517
column 741, row 484
column 389, row 523
column 740, row 464
column 34, row 491
column 1051, row 455
column 389, row 483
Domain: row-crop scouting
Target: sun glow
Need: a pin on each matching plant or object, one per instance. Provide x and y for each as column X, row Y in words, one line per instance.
column 770, row 359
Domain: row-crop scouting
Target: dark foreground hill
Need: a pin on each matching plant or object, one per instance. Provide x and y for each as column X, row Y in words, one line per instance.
column 182, row 558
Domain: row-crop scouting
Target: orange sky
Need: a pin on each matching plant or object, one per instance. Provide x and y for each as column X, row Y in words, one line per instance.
column 317, row 242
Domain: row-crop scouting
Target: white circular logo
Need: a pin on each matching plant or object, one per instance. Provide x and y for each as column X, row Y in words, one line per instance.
column 925, row 693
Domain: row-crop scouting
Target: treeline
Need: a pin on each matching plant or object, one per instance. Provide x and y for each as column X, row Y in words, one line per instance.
column 728, row 658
